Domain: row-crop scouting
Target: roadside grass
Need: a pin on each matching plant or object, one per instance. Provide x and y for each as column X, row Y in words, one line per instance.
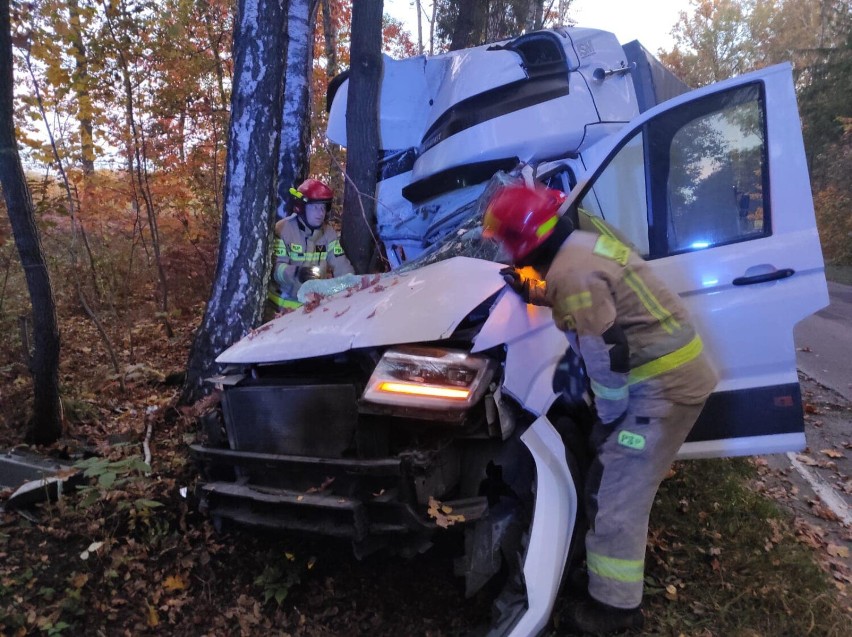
column 724, row 561
column 839, row 273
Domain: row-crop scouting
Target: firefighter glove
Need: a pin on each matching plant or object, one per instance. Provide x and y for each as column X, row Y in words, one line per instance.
column 518, row 283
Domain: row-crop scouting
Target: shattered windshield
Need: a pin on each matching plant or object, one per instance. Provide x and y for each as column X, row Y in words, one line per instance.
column 464, row 237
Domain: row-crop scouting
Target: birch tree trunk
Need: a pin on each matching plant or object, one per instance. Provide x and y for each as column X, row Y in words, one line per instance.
column 296, row 112
column 362, row 135
column 45, row 426
column 244, row 264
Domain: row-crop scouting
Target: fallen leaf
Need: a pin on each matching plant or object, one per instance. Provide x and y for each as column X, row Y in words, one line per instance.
column 174, row 583
column 79, row 580
column 93, row 548
column 837, row 551
column 822, row 511
column 831, row 453
column 438, row 512
column 153, row 617
column 806, row 460
column 325, row 485
column 671, row 592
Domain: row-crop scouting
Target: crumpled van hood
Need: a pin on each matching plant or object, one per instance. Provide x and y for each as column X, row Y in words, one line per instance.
column 426, row 304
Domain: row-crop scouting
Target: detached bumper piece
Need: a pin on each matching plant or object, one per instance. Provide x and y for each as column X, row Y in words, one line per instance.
column 355, row 499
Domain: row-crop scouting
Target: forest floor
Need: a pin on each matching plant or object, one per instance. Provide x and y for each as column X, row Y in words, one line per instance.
column 730, row 553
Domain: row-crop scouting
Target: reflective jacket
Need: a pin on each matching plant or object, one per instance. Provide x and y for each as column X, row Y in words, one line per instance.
column 297, row 246
column 633, row 333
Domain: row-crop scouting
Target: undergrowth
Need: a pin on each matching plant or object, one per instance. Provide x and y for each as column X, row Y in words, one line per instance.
column 724, row 561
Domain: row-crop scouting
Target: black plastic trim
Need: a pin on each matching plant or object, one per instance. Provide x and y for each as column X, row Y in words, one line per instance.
column 456, row 177
column 758, row 411
column 764, row 278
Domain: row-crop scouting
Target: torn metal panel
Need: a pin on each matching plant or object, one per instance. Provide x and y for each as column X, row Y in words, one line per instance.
column 35, row 478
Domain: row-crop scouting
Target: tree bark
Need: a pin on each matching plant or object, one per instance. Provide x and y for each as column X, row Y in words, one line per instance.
column 463, row 29
column 362, row 135
column 296, row 112
column 81, row 82
column 45, row 426
column 244, row 264
column 330, row 35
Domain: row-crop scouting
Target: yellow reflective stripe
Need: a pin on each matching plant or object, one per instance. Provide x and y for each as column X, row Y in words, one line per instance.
column 610, row 393
column 615, row 568
column 612, row 248
column 668, row 362
column 335, row 248
column 546, row 227
column 601, row 227
column 656, row 309
column 279, row 248
column 579, row 301
column 280, row 301
column 306, row 257
column 297, row 247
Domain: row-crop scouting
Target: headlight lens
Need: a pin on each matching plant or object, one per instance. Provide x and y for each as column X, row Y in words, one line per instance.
column 429, row 378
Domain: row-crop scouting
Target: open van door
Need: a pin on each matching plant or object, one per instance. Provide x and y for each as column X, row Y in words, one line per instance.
column 712, row 188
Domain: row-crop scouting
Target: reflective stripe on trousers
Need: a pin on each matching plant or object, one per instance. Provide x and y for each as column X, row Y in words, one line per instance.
column 631, row 462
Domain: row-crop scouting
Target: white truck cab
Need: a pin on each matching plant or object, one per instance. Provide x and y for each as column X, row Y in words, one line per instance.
column 433, row 382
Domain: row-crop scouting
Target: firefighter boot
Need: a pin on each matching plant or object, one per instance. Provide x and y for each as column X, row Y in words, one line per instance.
column 589, row 616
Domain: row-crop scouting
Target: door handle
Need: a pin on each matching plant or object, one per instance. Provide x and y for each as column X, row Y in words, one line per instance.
column 763, row 278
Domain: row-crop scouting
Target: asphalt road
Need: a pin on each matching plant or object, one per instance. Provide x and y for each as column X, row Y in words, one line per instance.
column 824, row 356
column 824, row 342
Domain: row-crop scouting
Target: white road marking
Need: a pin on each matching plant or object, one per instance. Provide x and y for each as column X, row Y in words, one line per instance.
column 824, row 491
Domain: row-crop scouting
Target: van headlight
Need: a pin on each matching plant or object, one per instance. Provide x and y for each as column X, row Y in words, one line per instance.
column 429, row 378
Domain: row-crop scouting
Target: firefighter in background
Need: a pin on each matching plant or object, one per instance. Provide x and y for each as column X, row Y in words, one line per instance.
column 305, row 246
column 647, row 373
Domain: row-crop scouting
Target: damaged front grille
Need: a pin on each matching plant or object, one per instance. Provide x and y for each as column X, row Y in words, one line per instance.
column 309, row 420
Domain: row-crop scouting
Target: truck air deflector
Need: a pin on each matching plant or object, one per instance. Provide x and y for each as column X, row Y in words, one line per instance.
column 493, row 104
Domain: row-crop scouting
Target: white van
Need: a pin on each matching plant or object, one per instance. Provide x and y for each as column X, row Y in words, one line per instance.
column 421, row 401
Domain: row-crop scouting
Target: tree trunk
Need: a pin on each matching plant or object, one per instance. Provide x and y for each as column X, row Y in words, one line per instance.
column 362, row 135
column 330, row 35
column 463, row 29
column 45, row 426
column 244, row 264
column 296, row 112
column 419, row 9
column 81, row 82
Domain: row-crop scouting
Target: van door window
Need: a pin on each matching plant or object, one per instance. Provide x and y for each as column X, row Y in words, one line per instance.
column 715, row 190
column 703, row 168
column 618, row 194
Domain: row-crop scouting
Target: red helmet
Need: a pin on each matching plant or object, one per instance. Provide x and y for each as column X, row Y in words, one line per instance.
column 522, row 218
column 310, row 191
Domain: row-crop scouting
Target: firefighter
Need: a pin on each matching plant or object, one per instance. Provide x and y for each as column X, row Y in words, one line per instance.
column 305, row 246
column 648, row 376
